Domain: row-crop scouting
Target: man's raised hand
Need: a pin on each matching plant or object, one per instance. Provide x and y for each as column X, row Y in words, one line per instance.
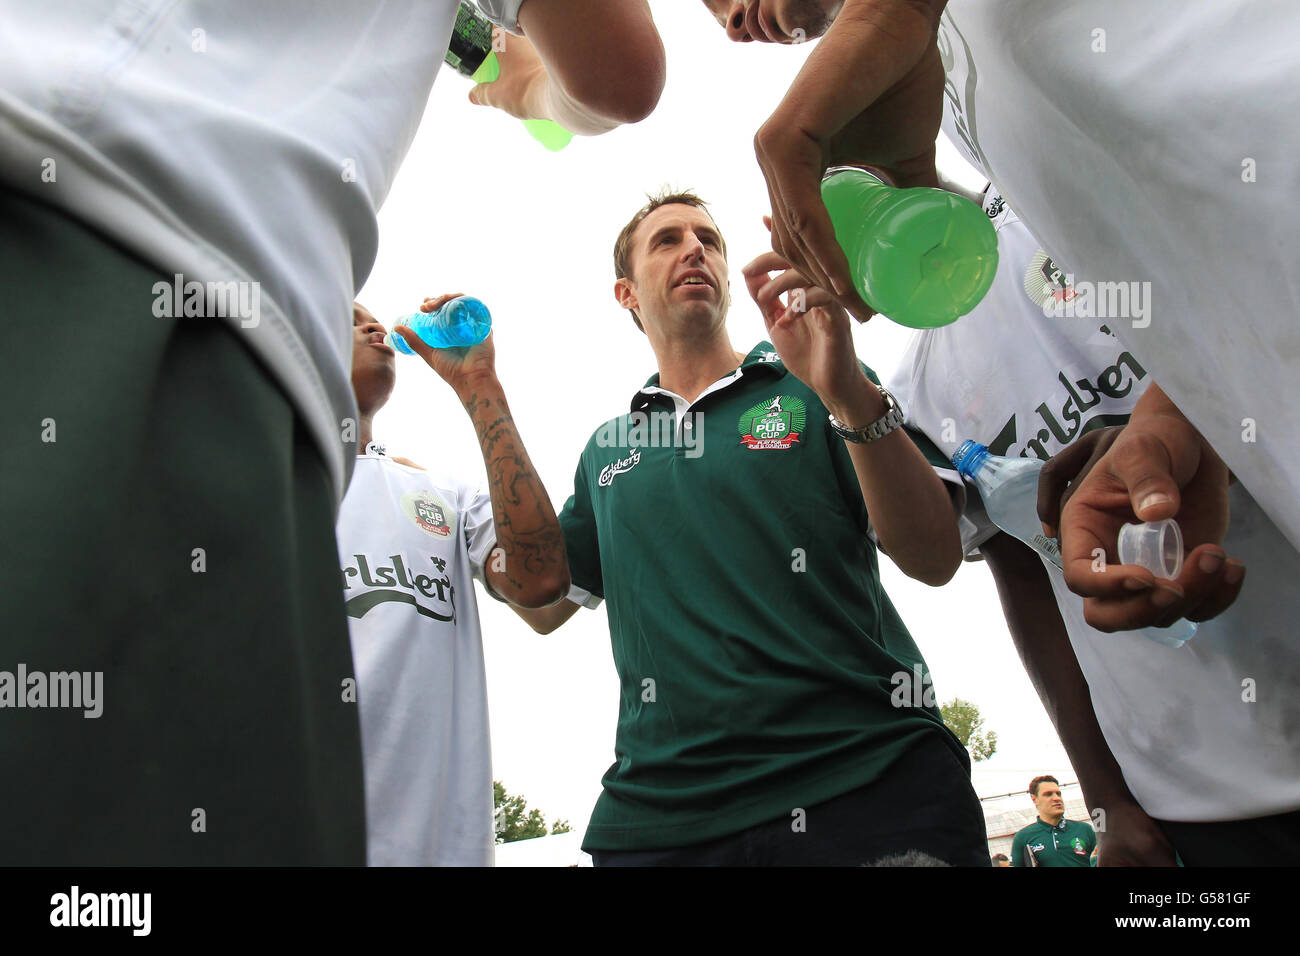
column 870, row 94
column 811, row 332
column 518, row 90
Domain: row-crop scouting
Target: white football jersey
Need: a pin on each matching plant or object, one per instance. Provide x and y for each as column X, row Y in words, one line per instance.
column 1202, row 732
column 410, row 548
column 1153, row 147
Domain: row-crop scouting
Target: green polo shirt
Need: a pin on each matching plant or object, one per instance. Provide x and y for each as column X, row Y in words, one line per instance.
column 762, row 667
column 1069, row 843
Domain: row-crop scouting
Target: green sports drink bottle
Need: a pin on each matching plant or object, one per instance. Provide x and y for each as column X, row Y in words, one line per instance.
column 470, row 54
column 922, row 257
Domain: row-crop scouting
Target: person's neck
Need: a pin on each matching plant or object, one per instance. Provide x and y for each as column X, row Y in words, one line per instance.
column 688, row 366
column 1052, row 821
column 365, row 426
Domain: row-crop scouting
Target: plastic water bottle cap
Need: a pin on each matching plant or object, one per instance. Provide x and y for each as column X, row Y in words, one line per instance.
column 1154, row 545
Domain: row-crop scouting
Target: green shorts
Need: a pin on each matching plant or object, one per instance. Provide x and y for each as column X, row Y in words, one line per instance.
column 166, row 536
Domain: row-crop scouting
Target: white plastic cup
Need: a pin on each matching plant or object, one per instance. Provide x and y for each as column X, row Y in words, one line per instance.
column 1154, row 545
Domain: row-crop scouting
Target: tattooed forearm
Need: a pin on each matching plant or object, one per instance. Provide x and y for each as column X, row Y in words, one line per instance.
column 528, row 565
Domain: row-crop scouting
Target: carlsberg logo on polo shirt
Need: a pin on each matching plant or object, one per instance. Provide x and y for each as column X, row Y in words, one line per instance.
column 616, row 468
column 433, row 597
column 773, row 423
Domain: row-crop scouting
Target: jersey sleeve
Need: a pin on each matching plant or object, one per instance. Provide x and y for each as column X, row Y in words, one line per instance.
column 1018, row 850
column 941, row 464
column 504, row 13
column 972, row 522
column 582, row 543
column 480, row 535
column 975, row 525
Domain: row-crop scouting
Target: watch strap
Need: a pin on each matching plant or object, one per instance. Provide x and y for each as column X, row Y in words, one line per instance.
column 891, row 421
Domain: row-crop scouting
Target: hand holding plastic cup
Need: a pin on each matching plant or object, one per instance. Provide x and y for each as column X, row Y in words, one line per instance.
column 1158, row 547
column 1154, row 545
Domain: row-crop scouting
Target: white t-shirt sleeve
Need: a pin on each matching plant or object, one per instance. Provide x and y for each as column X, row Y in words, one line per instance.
column 583, row 598
column 480, row 536
column 504, row 13
column 972, row 522
column 975, row 527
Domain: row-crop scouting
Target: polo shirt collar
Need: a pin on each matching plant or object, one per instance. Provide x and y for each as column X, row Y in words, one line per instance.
column 1059, row 826
column 763, row 355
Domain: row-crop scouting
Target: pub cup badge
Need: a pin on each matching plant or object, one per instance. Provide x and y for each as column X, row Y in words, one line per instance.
column 428, row 512
column 774, row 423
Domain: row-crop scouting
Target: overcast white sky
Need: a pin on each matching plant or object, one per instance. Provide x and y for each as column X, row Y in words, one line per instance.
column 480, row 208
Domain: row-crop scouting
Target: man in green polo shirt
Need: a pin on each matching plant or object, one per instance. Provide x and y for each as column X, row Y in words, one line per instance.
column 1052, row 840
column 773, row 707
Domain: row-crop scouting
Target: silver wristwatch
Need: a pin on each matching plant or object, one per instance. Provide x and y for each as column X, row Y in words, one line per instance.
column 882, row 426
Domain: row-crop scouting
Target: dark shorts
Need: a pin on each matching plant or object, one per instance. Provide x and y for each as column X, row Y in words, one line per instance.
column 924, row 804
column 165, row 521
column 1263, row 841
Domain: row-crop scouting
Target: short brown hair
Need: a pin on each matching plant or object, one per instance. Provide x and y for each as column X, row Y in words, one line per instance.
column 623, row 244
column 1037, row 781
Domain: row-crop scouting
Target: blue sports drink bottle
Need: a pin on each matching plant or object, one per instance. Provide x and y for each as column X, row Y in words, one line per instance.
column 462, row 322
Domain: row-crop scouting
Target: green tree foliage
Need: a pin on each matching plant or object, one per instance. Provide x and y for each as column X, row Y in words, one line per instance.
column 514, row 821
column 963, row 719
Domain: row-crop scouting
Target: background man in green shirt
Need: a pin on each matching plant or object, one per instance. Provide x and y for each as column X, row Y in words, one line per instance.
column 773, row 707
column 1052, row 840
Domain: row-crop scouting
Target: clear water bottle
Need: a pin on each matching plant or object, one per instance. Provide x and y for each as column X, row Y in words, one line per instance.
column 1009, row 489
column 459, row 323
column 470, row 53
column 921, row 257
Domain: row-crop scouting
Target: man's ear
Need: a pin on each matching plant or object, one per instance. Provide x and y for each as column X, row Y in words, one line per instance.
column 623, row 292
